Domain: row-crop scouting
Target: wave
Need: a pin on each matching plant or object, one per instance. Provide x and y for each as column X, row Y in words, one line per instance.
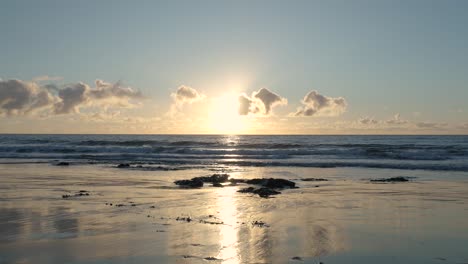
column 434, row 153
column 344, row 153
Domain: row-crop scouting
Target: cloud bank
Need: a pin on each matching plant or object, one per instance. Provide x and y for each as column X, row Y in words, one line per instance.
column 315, row 104
column 20, row 98
column 261, row 102
column 396, row 120
column 368, row 121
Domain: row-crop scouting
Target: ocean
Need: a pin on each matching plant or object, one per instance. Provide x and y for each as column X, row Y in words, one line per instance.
column 435, row 153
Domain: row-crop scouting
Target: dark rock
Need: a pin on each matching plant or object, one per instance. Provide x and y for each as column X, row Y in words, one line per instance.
column 62, row 164
column 120, row 205
column 262, row 192
column 296, row 258
column 266, row 192
column 247, row 190
column 187, row 219
column 217, row 184
column 215, row 178
column 193, row 183
column 78, row 194
column 211, row 258
column 123, row 165
column 259, row 224
column 152, row 207
column 272, row 183
column 393, row 179
column 211, row 222
column 236, row 181
column 314, row 179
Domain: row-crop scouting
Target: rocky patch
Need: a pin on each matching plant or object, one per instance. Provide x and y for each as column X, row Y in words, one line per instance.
column 262, row 192
column 193, row 183
column 77, row 194
column 313, row 179
column 393, row 179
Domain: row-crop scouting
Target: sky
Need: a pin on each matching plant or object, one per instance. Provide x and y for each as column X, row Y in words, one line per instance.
column 234, row 67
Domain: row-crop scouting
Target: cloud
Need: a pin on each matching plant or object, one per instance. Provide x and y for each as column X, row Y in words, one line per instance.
column 18, row 97
column 186, row 94
column 44, row 78
column 79, row 94
column 315, row 104
column 396, row 120
column 245, row 104
column 262, row 101
column 71, row 97
column 430, row 125
column 106, row 90
column 463, row 126
column 368, row 121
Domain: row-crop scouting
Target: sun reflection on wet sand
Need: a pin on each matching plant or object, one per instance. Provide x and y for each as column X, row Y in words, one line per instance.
column 341, row 221
column 229, row 251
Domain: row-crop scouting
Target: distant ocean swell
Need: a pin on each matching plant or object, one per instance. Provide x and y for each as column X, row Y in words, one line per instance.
column 447, row 153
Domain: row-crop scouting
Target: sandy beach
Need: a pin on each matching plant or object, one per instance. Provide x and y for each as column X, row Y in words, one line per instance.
column 347, row 219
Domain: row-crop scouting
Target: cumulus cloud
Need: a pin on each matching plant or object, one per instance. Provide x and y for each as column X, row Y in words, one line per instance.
column 71, row 97
column 368, row 121
column 245, row 104
column 186, row 94
column 315, row 104
column 263, row 101
column 396, row 120
column 79, row 94
column 18, row 97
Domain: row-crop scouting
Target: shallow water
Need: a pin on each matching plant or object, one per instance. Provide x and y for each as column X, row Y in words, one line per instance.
column 344, row 220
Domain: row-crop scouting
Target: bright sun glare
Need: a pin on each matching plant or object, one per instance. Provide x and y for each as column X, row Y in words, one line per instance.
column 224, row 115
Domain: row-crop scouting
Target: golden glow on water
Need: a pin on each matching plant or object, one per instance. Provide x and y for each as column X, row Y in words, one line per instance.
column 228, row 239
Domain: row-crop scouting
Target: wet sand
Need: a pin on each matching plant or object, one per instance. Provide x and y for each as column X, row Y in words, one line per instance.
column 346, row 219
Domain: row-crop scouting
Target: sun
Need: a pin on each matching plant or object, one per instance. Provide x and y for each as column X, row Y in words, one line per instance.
column 224, row 115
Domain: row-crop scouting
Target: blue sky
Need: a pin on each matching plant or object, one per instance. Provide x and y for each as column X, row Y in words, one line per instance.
column 383, row 57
